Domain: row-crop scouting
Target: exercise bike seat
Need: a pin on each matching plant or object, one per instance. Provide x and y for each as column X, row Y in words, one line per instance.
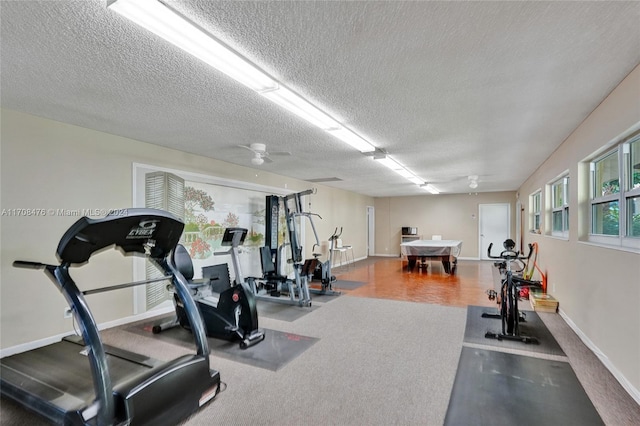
column 183, row 263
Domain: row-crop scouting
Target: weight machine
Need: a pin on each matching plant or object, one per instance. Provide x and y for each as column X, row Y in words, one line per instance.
column 273, row 284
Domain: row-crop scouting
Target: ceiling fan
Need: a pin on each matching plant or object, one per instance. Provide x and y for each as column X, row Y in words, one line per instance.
column 260, row 153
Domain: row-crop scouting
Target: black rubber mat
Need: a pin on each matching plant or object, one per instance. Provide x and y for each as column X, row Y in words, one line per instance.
column 498, row 388
column 323, row 298
column 339, row 286
column 274, row 352
column 283, row 311
column 477, row 327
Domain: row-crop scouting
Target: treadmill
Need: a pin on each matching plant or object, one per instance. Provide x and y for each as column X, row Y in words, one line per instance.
column 81, row 381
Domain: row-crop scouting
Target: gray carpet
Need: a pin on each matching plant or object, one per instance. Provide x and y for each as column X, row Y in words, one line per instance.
column 274, row 352
column 476, row 327
column 378, row 362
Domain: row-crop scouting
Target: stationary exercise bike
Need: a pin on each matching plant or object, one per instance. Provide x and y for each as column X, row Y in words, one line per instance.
column 510, row 293
column 322, row 271
column 228, row 311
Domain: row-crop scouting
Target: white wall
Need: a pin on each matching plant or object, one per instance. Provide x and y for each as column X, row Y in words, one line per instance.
column 52, row 165
column 454, row 216
column 598, row 287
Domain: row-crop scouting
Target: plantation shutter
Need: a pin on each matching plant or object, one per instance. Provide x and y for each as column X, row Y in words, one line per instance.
column 164, row 191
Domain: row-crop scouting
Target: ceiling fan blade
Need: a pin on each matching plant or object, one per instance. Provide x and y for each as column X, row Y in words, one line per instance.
column 267, row 159
column 248, row 148
column 280, row 153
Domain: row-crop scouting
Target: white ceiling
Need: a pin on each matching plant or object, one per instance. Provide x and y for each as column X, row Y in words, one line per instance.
column 449, row 89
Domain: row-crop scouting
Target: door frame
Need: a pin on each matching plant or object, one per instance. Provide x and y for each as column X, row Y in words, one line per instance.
column 371, row 231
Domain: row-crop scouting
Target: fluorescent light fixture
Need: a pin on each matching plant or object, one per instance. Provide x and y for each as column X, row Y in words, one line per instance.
column 347, row 136
column 388, row 162
column 180, row 31
column 398, row 168
column 172, row 26
column 430, row 188
column 404, row 173
column 296, row 104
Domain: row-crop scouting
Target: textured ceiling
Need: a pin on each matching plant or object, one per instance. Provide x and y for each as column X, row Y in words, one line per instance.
column 449, row 89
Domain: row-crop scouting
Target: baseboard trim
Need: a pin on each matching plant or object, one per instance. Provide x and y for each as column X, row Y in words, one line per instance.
column 103, row 326
column 635, row 394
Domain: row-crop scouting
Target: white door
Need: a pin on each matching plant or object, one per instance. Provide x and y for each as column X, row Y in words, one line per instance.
column 495, row 225
column 371, row 227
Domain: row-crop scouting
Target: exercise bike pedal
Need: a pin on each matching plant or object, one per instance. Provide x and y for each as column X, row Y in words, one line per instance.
column 254, row 338
column 490, row 315
column 492, row 294
column 528, row 339
column 492, row 335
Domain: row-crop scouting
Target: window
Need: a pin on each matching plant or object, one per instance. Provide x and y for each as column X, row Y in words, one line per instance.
column 632, row 192
column 534, row 212
column 615, row 195
column 560, row 207
column 605, row 195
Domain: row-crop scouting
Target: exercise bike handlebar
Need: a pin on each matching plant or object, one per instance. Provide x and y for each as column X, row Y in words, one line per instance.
column 313, row 227
column 510, row 254
column 29, row 265
column 335, row 234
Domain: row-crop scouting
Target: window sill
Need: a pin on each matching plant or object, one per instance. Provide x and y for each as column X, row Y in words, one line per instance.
column 558, row 237
column 611, row 247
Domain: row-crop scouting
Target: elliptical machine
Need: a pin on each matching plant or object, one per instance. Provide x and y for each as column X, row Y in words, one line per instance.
column 228, row 311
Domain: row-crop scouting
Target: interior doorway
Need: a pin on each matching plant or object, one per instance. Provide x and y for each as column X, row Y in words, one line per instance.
column 495, row 227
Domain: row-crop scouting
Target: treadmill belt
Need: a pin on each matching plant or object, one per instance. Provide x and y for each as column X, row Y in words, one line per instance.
column 61, row 372
column 498, row 388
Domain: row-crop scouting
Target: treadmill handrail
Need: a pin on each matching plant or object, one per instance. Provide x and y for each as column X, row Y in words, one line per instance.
column 89, row 329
